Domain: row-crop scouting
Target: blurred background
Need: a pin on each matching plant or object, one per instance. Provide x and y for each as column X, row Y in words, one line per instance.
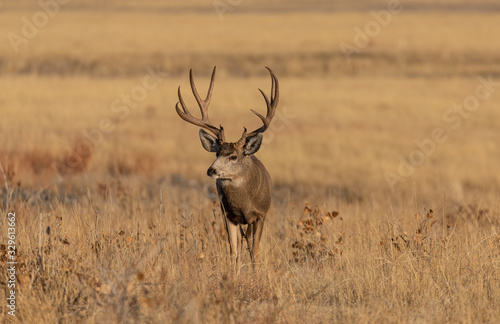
column 384, row 157
column 89, row 88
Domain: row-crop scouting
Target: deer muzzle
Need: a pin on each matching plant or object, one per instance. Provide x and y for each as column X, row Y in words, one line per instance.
column 212, row 173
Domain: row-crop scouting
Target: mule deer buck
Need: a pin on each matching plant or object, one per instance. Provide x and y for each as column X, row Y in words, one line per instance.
column 243, row 183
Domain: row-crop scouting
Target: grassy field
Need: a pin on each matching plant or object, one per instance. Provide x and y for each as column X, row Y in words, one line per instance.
column 117, row 222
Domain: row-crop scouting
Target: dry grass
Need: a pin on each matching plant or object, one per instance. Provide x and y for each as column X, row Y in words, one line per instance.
column 102, row 253
column 129, row 230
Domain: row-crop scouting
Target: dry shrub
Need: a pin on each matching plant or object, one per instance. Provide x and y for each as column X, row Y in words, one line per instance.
column 77, row 159
column 418, row 240
column 18, row 166
column 40, row 163
column 317, row 241
column 143, row 164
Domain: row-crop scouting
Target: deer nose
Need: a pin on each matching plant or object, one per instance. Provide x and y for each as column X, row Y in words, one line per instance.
column 211, row 171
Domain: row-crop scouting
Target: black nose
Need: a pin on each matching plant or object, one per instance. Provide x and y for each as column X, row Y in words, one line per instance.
column 210, row 171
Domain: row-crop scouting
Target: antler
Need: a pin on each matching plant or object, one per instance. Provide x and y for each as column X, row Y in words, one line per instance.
column 271, row 108
column 204, row 122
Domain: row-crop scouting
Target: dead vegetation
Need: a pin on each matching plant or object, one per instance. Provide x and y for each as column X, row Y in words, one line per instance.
column 130, row 230
column 112, row 255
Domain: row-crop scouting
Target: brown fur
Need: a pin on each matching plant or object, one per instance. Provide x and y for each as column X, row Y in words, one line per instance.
column 243, row 183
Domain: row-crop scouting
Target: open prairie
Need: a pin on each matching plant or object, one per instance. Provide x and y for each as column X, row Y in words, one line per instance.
column 384, row 157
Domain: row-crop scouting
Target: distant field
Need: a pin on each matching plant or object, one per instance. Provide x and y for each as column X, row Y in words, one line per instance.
column 130, row 230
column 102, row 44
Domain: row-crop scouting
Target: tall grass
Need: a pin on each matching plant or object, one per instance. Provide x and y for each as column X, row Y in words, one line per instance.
column 129, row 229
column 93, row 254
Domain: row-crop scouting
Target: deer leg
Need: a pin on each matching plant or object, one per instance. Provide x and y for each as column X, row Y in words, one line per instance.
column 238, row 257
column 234, row 243
column 250, row 239
column 257, row 228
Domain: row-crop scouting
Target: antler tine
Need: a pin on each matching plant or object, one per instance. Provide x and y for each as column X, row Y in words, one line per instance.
column 275, row 90
column 204, row 122
column 203, row 104
column 271, row 105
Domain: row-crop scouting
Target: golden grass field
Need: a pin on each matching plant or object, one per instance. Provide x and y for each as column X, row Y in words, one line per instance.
column 127, row 229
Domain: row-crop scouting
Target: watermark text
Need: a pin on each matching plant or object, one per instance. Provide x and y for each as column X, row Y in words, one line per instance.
column 11, row 263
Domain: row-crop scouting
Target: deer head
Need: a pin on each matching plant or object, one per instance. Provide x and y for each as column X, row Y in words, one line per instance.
column 233, row 159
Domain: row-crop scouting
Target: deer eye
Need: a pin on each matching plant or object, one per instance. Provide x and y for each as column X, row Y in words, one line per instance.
column 233, row 158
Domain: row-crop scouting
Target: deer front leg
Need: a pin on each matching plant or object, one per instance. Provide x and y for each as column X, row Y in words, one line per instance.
column 250, row 239
column 254, row 234
column 257, row 234
column 234, row 244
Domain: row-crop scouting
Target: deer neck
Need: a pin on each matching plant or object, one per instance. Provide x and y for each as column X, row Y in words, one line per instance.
column 250, row 177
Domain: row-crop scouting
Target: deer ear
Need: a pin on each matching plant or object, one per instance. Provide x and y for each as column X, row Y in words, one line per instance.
column 210, row 143
column 252, row 144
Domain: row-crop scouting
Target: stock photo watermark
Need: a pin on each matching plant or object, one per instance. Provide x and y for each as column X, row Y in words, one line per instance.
column 11, row 264
column 30, row 27
column 281, row 121
column 373, row 28
column 121, row 107
column 452, row 118
column 223, row 6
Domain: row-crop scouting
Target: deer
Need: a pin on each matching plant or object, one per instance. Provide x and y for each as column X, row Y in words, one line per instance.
column 243, row 183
